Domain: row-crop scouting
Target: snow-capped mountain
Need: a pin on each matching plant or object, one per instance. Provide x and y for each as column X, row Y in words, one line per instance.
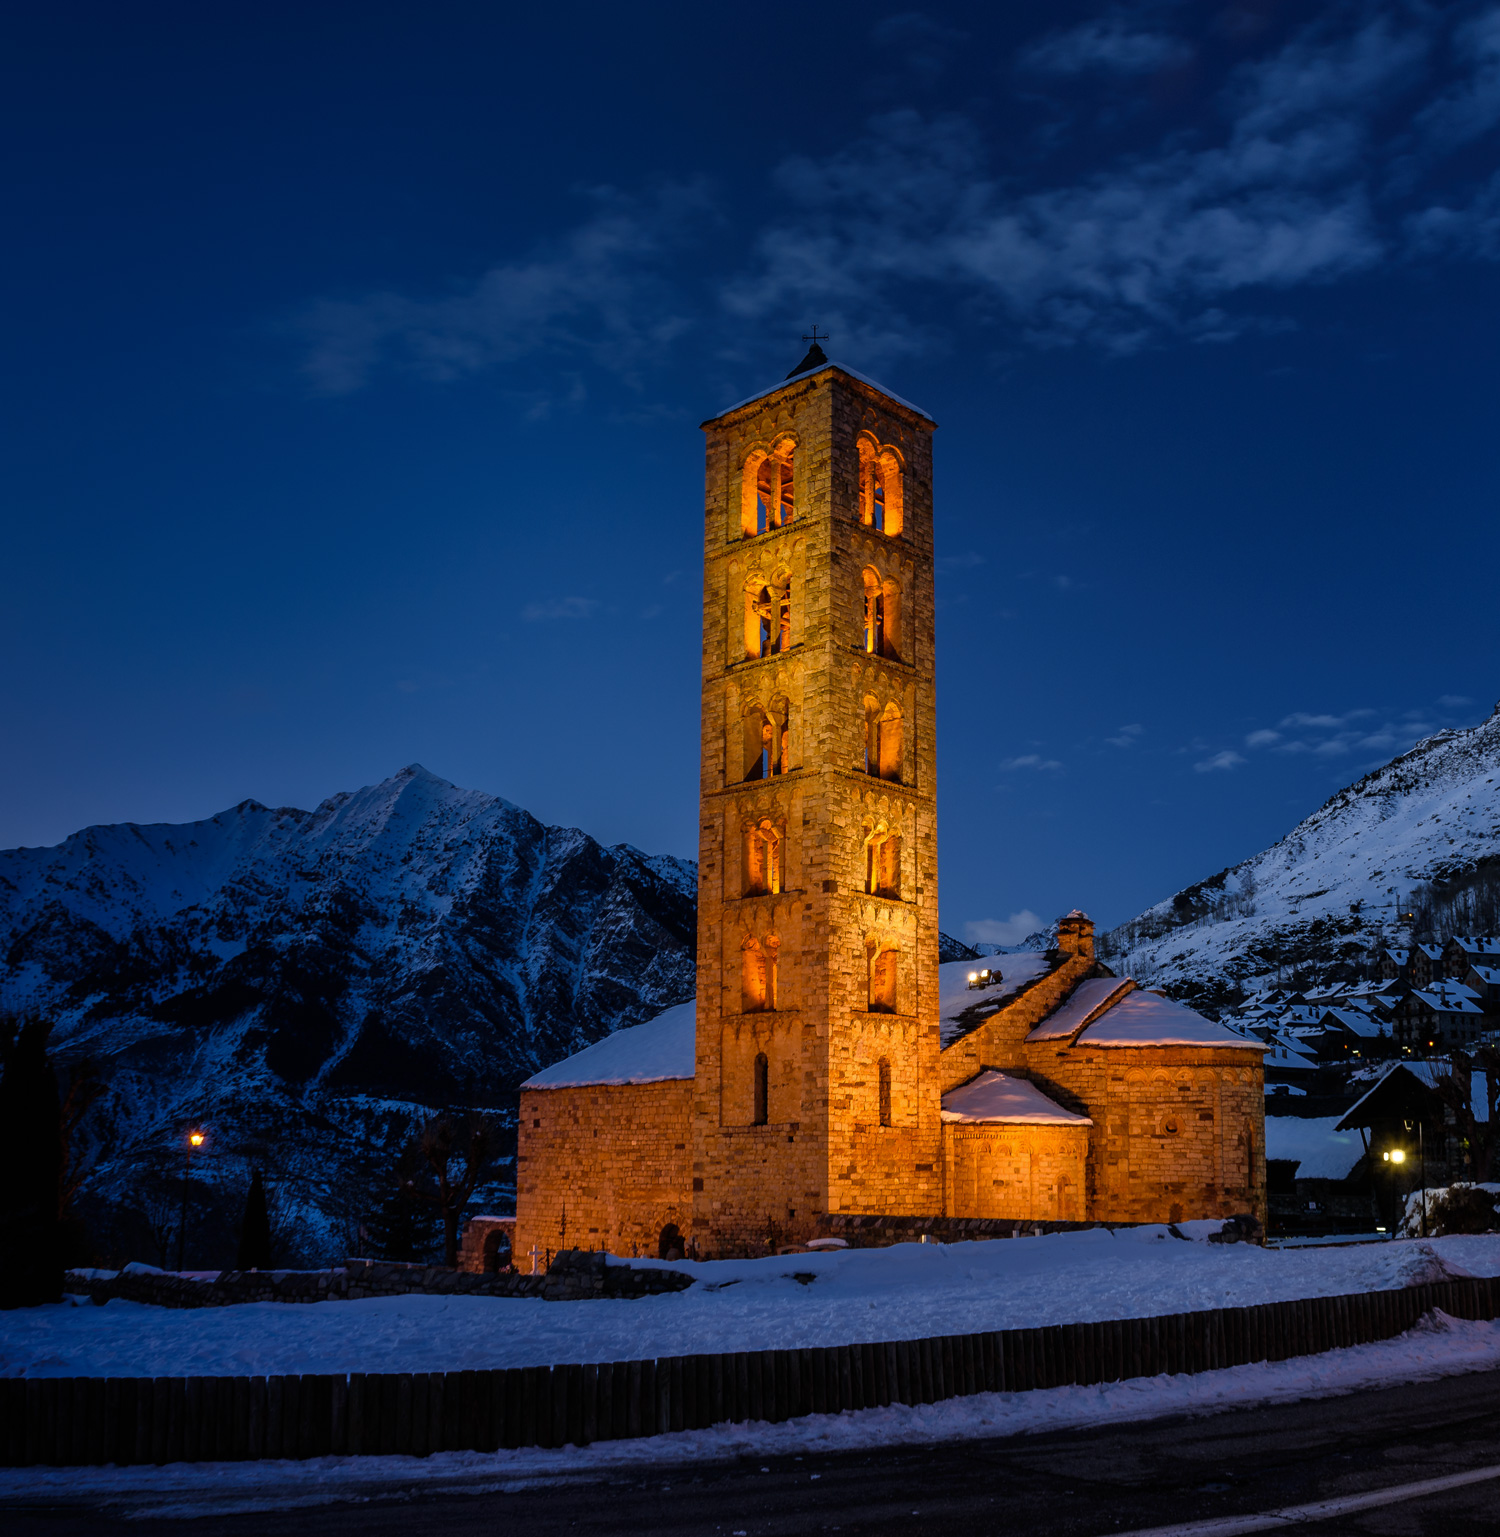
column 305, row 981
column 1421, row 834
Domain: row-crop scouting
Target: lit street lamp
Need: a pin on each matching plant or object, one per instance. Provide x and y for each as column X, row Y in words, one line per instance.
column 190, row 1146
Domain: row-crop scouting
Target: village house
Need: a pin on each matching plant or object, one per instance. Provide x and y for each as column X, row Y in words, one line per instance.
column 1465, row 951
column 1443, row 1015
column 829, row 1064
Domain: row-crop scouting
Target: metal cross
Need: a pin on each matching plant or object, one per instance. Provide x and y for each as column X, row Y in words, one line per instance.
column 815, row 338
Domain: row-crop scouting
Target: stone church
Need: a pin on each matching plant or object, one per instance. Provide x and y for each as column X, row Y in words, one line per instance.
column 830, row 1063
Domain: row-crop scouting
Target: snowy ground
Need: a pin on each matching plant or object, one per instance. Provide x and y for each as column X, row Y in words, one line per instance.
column 904, row 1292
column 1438, row 1347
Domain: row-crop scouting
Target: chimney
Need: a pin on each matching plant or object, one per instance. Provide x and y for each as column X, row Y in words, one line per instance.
column 1075, row 935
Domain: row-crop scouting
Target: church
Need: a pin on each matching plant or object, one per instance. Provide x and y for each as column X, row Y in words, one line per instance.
column 830, row 1063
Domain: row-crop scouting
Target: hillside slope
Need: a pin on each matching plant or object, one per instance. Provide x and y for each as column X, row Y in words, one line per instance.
column 304, row 982
column 1422, row 832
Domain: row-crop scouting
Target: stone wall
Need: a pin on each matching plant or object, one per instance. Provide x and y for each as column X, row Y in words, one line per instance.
column 1035, row 1173
column 603, row 1166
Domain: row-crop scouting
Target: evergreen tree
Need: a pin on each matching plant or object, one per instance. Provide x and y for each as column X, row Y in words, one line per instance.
column 255, row 1229
column 31, row 1155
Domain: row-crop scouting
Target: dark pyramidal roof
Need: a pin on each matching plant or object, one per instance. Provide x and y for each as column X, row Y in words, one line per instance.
column 815, row 358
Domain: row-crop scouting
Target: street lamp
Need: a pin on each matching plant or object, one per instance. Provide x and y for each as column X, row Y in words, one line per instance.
column 195, row 1140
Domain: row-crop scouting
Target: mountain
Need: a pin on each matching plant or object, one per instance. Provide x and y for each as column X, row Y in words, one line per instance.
column 306, row 982
column 1409, row 850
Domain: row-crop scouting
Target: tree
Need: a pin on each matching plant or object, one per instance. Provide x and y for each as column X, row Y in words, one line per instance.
column 31, row 1155
column 1456, row 1088
column 255, row 1229
column 442, row 1141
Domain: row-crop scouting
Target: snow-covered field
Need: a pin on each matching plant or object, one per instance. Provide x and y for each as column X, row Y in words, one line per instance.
column 904, row 1292
column 1438, row 1347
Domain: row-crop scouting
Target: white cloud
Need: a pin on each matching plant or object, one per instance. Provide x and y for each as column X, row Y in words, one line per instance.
column 1003, row 931
column 1030, row 760
column 1220, row 760
column 1262, row 738
column 1455, row 701
column 561, row 608
column 1105, row 47
column 1128, row 736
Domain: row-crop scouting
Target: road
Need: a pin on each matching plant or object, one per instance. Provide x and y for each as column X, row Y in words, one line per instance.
column 1088, row 1483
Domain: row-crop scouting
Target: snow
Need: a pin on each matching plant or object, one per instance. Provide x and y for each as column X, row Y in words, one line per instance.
column 962, row 1008
column 1438, row 1346
column 651, row 1052
column 1321, row 1151
column 1089, row 995
column 994, row 1096
column 843, row 368
column 907, row 1291
column 1145, row 1019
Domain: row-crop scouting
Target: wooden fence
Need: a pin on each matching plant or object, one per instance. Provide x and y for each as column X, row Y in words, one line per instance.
column 78, row 1420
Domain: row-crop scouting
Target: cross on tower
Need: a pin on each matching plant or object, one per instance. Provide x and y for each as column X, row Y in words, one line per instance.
column 815, row 338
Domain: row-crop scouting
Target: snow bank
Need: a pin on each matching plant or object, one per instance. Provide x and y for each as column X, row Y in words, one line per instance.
column 905, row 1292
column 1439, row 1346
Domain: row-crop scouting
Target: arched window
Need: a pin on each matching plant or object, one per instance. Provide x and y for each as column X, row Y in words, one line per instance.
column 883, row 863
column 758, row 975
column 880, row 490
column 768, row 617
column 883, row 965
column 767, row 498
column 885, row 1092
column 882, row 626
column 759, row 733
column 762, row 1090
column 883, row 742
column 762, row 860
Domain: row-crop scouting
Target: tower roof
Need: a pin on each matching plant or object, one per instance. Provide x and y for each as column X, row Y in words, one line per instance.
column 814, row 363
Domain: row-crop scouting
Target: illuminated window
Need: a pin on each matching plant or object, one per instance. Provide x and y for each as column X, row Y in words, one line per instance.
column 880, row 489
column 758, row 975
column 762, row 861
column 883, row 982
column 768, row 618
column 883, row 741
column 883, row 863
column 882, row 625
column 768, row 499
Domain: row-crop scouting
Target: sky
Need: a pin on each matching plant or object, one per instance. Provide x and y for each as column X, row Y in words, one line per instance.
column 355, row 355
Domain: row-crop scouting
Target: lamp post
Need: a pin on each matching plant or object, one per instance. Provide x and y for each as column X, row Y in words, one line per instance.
column 189, row 1147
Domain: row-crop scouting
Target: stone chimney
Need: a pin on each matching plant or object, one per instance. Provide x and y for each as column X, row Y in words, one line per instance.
column 1075, row 935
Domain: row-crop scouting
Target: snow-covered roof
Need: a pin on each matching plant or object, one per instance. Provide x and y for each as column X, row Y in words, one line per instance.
column 1432, row 952
column 651, row 1052
column 1283, row 1055
column 1450, row 1000
column 1320, row 1151
column 995, row 1096
column 1354, row 1020
column 1087, row 998
column 811, row 373
column 962, row 1008
column 1489, row 975
column 1476, row 944
column 1147, row 1019
column 1400, row 957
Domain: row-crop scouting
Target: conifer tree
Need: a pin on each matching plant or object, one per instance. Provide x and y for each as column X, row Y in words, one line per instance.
column 31, row 1156
column 255, row 1229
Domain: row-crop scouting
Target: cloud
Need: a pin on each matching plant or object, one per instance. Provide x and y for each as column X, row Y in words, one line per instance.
column 965, row 562
column 1030, row 760
column 561, row 608
column 1127, row 738
column 1003, row 931
column 1332, row 722
column 1105, row 47
column 1262, row 738
column 1220, row 760
column 596, row 292
column 1454, row 701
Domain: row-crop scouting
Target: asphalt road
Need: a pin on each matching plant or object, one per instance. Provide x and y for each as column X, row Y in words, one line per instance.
column 1085, row 1483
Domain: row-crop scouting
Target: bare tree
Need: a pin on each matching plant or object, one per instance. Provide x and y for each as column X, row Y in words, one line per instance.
column 85, row 1088
column 1456, row 1088
column 443, row 1142
column 159, row 1217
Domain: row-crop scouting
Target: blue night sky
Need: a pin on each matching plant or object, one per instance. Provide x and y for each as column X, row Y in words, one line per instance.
column 355, row 356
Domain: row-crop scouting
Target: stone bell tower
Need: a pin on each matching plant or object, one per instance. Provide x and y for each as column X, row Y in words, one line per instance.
column 817, row 1086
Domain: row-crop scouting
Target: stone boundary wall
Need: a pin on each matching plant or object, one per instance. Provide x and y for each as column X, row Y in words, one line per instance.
column 879, row 1232
column 573, row 1277
column 73, row 1421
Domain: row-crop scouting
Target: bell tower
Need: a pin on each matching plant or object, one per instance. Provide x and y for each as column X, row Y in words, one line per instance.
column 816, row 1086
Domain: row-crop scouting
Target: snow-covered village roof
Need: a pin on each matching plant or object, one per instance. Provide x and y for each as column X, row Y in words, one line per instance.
column 995, row 1096
column 1089, row 997
column 1319, row 1149
column 1147, row 1019
column 1489, row 975
column 650, row 1052
column 1452, row 999
column 1426, row 1074
column 1477, row 944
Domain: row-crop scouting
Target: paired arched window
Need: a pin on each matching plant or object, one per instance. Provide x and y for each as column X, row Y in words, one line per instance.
column 767, row 495
column 882, row 627
column 885, row 1092
column 762, row 1116
column 768, row 617
column 880, row 498
column 883, row 740
column 757, row 976
column 883, row 968
column 766, row 739
column 762, row 860
column 883, row 863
